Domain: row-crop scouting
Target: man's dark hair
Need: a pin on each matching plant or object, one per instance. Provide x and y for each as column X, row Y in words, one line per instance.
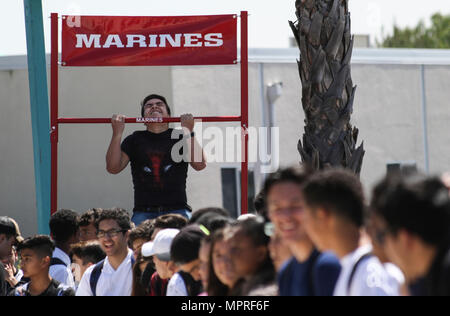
column 63, row 225
column 207, row 210
column 155, row 96
column 42, row 245
column 143, row 231
column 186, row 244
column 118, row 214
column 170, row 221
column 88, row 252
column 89, row 217
column 338, row 191
column 297, row 175
column 418, row 204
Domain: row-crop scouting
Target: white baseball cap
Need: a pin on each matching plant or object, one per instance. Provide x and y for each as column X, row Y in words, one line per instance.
column 160, row 246
column 244, row 217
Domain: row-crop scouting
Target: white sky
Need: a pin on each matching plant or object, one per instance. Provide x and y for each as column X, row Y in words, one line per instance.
column 268, row 26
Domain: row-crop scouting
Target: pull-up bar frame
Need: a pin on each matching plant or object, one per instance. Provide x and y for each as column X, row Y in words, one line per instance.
column 55, row 120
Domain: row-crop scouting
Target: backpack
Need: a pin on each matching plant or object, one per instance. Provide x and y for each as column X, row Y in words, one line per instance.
column 97, row 271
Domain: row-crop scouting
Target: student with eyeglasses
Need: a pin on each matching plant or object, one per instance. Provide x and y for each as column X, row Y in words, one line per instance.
column 114, row 275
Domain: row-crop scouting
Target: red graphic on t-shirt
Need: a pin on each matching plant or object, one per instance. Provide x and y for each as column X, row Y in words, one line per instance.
column 156, row 161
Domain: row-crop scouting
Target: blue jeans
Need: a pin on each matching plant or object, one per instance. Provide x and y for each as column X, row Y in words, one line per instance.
column 139, row 217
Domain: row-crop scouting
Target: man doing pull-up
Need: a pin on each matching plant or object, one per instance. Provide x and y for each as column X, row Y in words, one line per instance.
column 159, row 178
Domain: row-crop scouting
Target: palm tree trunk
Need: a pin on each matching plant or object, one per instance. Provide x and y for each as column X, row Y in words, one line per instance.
column 322, row 32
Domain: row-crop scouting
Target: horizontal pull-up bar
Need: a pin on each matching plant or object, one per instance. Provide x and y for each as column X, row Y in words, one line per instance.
column 148, row 120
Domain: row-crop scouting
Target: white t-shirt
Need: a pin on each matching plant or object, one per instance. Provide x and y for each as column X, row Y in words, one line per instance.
column 176, row 286
column 369, row 279
column 111, row 282
column 19, row 275
column 396, row 277
column 62, row 274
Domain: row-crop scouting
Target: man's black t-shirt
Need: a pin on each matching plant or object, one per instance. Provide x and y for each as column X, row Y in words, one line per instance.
column 2, row 280
column 158, row 180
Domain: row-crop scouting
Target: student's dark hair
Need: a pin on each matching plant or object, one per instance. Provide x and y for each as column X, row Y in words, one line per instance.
column 186, row 245
column 297, row 175
column 417, row 203
column 208, row 210
column 89, row 217
column 213, row 221
column 338, row 191
column 42, row 245
column 7, row 231
column 143, row 231
column 253, row 228
column 138, row 287
column 118, row 214
column 63, row 225
column 147, row 224
column 176, row 221
column 155, row 96
column 88, row 252
column 215, row 286
column 260, row 205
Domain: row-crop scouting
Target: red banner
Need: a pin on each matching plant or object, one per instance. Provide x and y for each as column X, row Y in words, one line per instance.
column 149, row 41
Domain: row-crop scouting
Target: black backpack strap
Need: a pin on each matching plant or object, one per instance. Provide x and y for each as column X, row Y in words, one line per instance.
column 95, row 275
column 352, row 274
column 56, row 262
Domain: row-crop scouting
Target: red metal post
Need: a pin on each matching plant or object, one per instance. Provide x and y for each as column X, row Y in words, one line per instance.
column 244, row 111
column 54, row 113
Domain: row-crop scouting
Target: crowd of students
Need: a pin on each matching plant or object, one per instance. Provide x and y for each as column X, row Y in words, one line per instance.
column 314, row 234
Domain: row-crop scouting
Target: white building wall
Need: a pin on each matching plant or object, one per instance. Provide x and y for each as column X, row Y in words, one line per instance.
column 387, row 111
